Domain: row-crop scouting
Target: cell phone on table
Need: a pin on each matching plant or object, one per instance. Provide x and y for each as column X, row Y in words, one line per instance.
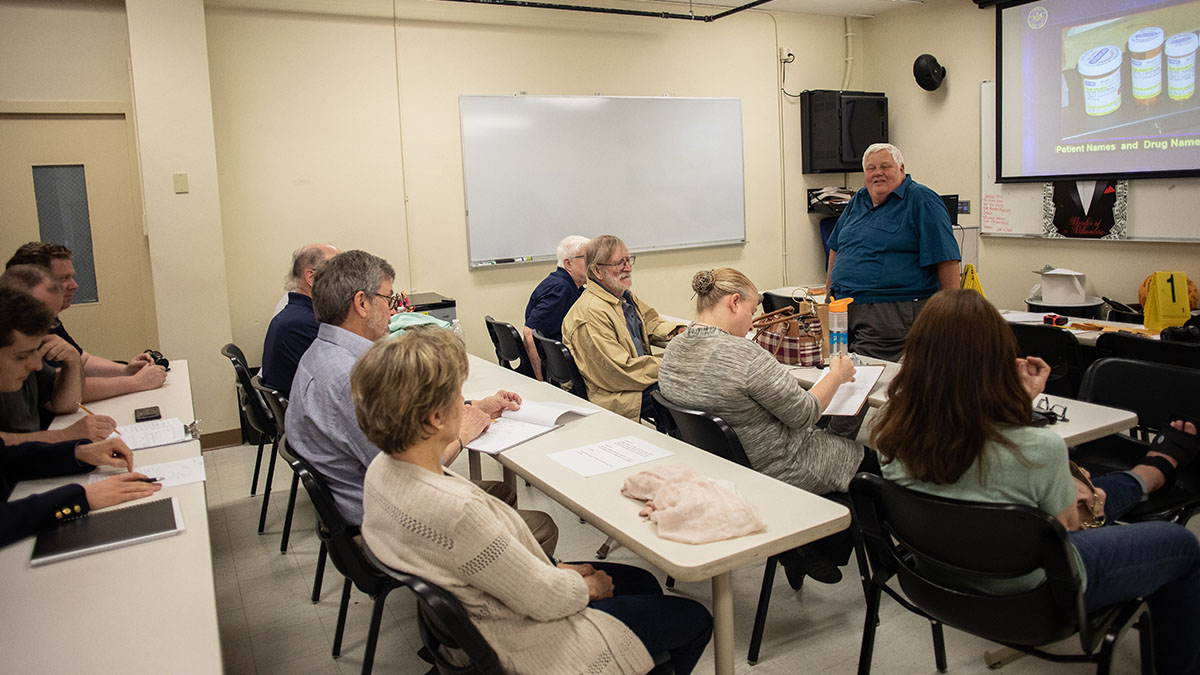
column 146, row 414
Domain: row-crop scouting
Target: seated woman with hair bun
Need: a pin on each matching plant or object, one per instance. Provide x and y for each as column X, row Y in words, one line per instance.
column 711, row 366
column 422, row 518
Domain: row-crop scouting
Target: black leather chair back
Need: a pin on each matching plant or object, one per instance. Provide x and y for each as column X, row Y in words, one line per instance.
column 253, row 405
column 1157, row 392
column 1127, row 346
column 932, row 544
column 337, row 535
column 509, row 346
column 1058, row 348
column 443, row 622
column 558, row 366
column 773, row 301
column 703, row 430
column 276, row 402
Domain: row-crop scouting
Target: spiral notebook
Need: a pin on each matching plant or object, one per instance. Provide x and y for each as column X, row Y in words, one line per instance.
column 104, row 530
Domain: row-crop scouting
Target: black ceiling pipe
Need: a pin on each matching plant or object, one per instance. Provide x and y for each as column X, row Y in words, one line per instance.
column 608, row 10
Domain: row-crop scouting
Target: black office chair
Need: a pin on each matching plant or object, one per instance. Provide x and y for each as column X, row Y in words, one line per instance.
column 1127, row 346
column 773, row 301
column 711, row 434
column 259, row 417
column 1059, row 349
column 444, row 624
column 509, row 346
column 289, row 455
column 277, row 404
column 341, row 541
column 1158, row 394
column 558, row 366
column 922, row 540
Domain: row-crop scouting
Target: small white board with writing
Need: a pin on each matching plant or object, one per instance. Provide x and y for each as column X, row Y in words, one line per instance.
column 154, row 433
column 169, row 474
column 849, row 398
column 598, row 458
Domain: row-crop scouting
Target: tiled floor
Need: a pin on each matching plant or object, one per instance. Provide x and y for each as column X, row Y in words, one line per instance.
column 269, row 625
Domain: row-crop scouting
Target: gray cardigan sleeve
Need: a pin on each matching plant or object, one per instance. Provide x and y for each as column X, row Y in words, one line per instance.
column 771, row 384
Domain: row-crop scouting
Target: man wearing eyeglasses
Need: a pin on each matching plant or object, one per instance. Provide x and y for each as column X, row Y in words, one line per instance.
column 353, row 300
column 552, row 298
column 609, row 332
column 294, row 328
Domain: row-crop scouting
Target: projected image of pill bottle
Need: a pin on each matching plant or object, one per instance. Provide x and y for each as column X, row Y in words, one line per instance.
column 1181, row 65
column 1145, row 64
column 1100, row 69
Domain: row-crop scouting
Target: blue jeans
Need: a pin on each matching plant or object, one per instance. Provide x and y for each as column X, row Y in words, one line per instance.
column 664, row 623
column 1157, row 561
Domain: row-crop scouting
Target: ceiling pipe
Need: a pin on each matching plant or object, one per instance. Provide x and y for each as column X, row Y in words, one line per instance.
column 608, row 10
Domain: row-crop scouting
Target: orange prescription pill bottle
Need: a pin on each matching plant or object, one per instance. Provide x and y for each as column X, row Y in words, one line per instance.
column 1181, row 65
column 1145, row 64
column 1100, row 69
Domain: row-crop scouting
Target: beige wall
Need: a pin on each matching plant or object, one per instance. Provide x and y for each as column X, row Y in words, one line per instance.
column 310, row 147
column 939, row 134
column 327, row 125
column 63, row 51
column 175, row 135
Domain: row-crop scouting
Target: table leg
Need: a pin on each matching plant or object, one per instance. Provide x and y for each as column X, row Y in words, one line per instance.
column 475, row 470
column 510, row 478
column 722, row 587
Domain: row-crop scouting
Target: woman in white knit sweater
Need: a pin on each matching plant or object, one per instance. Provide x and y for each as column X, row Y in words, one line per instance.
column 421, row 518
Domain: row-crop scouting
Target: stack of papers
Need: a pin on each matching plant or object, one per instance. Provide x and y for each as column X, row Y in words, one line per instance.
column 517, row 426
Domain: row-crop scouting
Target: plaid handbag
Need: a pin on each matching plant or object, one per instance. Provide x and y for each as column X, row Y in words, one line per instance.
column 793, row 339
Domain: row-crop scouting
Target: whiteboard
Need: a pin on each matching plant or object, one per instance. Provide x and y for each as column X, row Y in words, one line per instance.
column 1158, row 209
column 659, row 173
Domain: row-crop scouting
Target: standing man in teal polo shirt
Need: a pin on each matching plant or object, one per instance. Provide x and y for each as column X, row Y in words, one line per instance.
column 892, row 248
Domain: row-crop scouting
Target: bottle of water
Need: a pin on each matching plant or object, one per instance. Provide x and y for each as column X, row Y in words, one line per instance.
column 456, row 328
column 839, row 327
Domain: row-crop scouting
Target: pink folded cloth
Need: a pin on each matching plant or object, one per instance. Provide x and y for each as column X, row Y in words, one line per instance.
column 691, row 508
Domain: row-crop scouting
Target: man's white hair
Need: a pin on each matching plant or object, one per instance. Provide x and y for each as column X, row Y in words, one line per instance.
column 892, row 150
column 570, row 247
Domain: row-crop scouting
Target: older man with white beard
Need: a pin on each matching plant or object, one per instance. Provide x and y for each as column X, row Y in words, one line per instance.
column 609, row 332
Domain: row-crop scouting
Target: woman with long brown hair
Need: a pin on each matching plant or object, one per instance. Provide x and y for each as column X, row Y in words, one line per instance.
column 957, row 424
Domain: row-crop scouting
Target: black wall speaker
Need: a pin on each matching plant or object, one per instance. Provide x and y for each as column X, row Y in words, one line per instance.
column 928, row 72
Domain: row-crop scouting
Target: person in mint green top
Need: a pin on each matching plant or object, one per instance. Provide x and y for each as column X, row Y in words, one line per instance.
column 957, row 425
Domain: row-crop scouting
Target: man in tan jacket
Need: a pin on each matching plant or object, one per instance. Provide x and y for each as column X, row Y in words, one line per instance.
column 609, row 332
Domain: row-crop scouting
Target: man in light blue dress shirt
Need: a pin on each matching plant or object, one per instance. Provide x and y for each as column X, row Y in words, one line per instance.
column 353, row 300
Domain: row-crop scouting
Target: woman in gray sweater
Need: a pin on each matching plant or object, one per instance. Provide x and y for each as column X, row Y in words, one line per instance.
column 422, row 518
column 711, row 366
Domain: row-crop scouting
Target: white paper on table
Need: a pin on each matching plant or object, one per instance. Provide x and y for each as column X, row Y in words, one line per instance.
column 598, row 458
column 548, row 414
column 180, row 472
column 152, row 434
column 849, row 398
column 504, row 433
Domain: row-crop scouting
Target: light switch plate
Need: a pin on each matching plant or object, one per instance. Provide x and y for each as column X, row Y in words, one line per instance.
column 181, row 183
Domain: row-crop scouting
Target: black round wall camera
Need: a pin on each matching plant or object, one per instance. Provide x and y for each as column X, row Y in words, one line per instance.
column 928, row 72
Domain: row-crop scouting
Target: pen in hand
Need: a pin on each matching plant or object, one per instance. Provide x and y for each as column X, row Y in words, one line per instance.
column 85, row 409
column 156, row 479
